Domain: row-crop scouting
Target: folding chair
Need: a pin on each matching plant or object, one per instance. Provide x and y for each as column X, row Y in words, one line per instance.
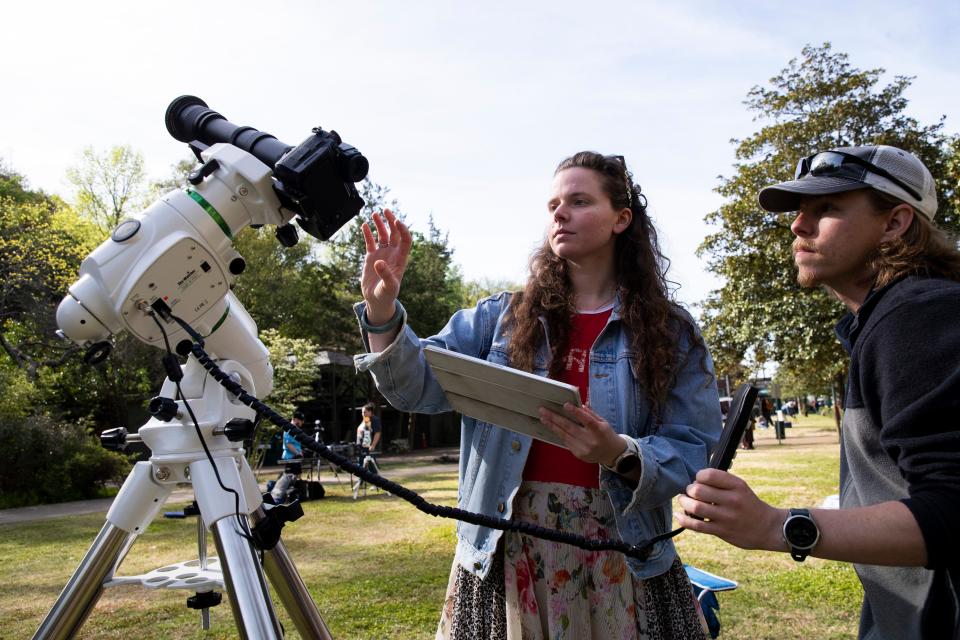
column 706, row 586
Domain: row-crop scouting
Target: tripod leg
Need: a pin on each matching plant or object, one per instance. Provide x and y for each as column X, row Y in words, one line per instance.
column 242, row 574
column 139, row 501
column 245, row 584
column 283, row 575
column 85, row 587
column 294, row 595
column 291, row 590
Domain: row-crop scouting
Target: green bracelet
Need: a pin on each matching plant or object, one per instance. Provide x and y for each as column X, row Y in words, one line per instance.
column 390, row 325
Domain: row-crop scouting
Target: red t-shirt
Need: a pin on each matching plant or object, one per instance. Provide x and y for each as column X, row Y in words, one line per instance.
column 550, row 463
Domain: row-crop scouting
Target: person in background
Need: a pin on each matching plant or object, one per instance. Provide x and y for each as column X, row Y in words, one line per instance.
column 595, row 313
column 865, row 230
column 369, row 429
column 292, row 450
column 746, row 442
column 292, row 455
column 766, row 412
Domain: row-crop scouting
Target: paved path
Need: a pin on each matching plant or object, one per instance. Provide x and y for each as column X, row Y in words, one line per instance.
column 392, row 468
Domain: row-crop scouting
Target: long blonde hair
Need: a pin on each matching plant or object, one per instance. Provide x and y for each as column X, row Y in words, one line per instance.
column 923, row 249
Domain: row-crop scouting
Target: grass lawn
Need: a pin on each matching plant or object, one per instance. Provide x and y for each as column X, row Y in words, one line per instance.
column 378, row 568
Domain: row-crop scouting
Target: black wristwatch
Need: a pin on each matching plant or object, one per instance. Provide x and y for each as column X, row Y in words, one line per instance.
column 628, row 460
column 801, row 533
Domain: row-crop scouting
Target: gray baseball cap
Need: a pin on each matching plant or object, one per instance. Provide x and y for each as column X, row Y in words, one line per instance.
column 892, row 171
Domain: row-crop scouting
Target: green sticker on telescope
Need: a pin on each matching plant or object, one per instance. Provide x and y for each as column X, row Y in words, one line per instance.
column 213, row 213
column 222, row 319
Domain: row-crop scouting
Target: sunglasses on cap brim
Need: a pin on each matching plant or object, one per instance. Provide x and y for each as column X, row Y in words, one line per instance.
column 843, row 165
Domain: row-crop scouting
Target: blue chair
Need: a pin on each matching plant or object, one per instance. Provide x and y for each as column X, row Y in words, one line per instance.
column 706, row 586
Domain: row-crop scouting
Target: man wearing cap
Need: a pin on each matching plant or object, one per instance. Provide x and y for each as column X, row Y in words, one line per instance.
column 864, row 229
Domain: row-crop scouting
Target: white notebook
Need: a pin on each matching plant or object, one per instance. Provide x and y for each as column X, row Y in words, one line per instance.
column 500, row 395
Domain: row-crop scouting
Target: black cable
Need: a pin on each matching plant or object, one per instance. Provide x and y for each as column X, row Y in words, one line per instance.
column 639, row 551
column 244, row 530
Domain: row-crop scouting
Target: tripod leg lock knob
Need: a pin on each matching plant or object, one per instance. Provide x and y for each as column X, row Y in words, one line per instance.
column 204, row 600
column 266, row 533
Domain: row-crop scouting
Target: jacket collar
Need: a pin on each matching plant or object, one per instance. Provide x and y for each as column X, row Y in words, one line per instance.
column 850, row 325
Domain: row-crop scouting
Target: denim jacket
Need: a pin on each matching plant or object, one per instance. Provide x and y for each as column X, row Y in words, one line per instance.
column 492, row 458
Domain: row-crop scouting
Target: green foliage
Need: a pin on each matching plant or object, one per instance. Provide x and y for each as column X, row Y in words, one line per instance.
column 111, row 394
column 796, row 382
column 42, row 243
column 19, row 392
column 288, row 289
column 110, row 185
column 47, row 461
column 14, row 186
column 476, row 290
column 177, row 178
column 432, row 283
column 295, row 370
column 817, row 102
column 41, row 246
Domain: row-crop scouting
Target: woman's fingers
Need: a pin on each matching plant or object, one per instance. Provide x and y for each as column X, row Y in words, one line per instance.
column 587, row 435
column 369, row 244
column 389, row 282
column 383, row 235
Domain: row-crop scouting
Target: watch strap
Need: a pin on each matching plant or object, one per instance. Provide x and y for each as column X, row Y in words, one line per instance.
column 631, row 451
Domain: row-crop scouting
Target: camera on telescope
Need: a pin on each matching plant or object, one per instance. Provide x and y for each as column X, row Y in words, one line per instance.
column 315, row 180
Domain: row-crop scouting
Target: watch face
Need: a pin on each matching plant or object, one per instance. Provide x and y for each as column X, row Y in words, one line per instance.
column 801, row 532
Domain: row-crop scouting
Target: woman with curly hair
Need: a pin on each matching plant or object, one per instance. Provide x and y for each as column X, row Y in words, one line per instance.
column 595, row 313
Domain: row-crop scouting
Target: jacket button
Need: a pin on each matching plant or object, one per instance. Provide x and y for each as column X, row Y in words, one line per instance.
column 501, row 507
column 477, row 566
column 515, row 445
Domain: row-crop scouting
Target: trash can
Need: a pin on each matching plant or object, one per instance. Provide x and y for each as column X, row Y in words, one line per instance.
column 781, row 428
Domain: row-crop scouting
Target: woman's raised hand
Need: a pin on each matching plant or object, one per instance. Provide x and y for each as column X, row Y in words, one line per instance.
column 384, row 264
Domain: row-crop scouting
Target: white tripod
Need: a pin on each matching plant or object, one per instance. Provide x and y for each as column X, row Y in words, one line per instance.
column 178, row 457
column 170, row 268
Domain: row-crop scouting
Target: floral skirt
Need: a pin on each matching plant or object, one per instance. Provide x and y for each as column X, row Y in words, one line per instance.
column 542, row 590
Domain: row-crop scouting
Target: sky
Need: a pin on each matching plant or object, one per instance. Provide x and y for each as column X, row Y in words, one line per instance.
column 463, row 109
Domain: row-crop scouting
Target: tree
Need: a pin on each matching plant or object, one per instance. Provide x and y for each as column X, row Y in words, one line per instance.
column 432, row 288
column 41, row 246
column 817, row 102
column 476, row 290
column 432, row 283
column 295, row 370
column 110, row 185
column 14, row 187
column 42, row 243
column 177, row 178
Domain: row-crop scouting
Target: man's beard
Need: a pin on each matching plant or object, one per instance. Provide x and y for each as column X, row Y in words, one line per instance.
column 805, row 279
